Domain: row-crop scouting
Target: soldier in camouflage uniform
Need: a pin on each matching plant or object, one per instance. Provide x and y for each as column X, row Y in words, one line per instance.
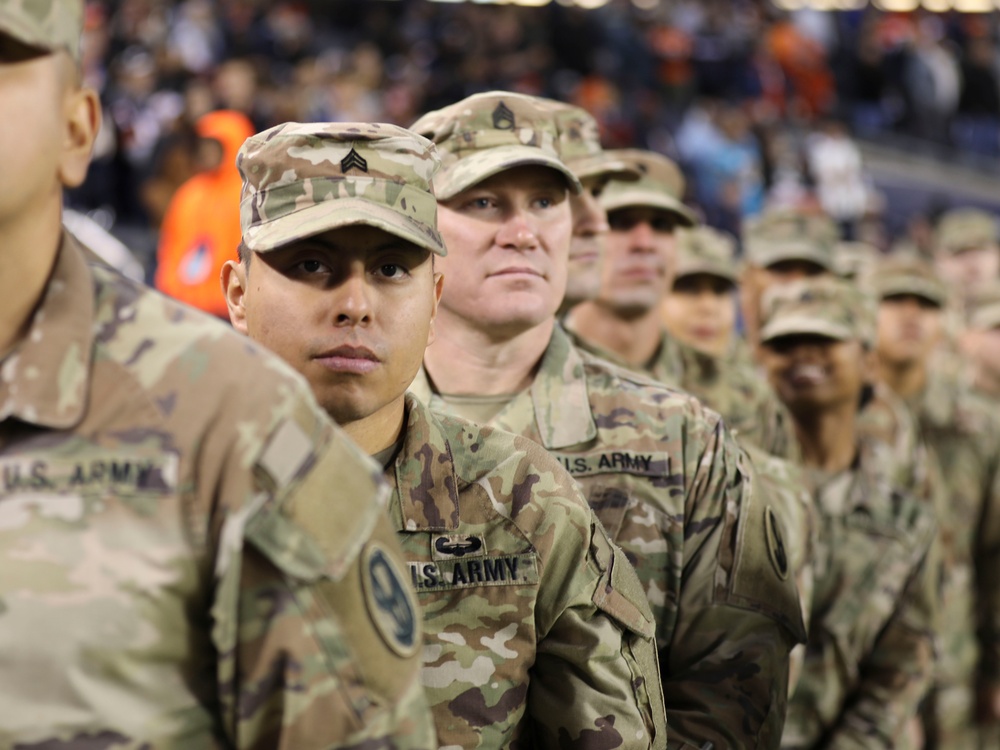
column 662, row 473
column 980, row 340
column 855, row 260
column 166, row 583
column 699, row 310
column 966, row 250
column 870, row 652
column 624, row 324
column 537, row 631
column 579, row 148
column 962, row 432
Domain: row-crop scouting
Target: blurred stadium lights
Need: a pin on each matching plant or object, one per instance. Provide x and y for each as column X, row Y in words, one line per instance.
column 898, row 6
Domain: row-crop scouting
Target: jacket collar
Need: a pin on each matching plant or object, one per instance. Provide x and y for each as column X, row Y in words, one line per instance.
column 45, row 380
column 424, row 472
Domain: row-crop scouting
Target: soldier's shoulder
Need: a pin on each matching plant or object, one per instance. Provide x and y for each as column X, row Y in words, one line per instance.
column 614, row 388
column 165, row 343
column 519, row 471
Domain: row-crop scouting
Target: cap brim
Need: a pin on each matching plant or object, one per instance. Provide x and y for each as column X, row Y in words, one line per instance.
column 601, row 165
column 792, row 251
column 473, row 168
column 801, row 325
column 729, row 273
column 626, row 198
column 333, row 214
column 13, row 29
column 914, row 287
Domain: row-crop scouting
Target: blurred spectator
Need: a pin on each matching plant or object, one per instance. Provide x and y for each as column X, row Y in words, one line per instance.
column 201, row 229
column 835, row 165
column 933, row 82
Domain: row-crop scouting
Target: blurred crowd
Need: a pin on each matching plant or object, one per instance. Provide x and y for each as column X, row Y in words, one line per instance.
column 758, row 105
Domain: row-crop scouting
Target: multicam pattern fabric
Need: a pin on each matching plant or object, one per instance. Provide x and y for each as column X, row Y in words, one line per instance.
column 579, row 144
column 963, row 228
column 786, row 234
column 962, row 432
column 899, row 275
column 302, row 179
column 488, row 133
column 675, row 492
column 825, row 306
column 172, row 576
column 47, row 24
column 753, row 413
column 660, row 185
column 537, row 631
column 704, row 250
column 870, row 656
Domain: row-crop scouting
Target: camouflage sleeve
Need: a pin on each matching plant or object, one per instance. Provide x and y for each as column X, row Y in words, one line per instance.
column 317, row 632
column 596, row 681
column 987, row 563
column 898, row 670
column 726, row 669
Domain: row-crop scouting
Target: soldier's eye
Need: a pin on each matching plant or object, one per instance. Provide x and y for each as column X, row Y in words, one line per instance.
column 391, row 270
column 311, row 266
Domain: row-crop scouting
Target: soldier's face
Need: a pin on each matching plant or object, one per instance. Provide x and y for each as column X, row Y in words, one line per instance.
column 970, row 268
column 638, row 270
column 982, row 347
column 35, row 99
column 909, row 327
column 508, row 242
column 700, row 310
column 811, row 373
column 351, row 309
column 587, row 248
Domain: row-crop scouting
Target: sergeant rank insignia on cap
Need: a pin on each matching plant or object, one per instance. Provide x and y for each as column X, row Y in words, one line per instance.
column 353, row 160
column 503, row 118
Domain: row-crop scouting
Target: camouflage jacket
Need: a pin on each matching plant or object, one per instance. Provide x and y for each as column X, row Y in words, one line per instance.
column 752, row 411
column 160, row 588
column 537, row 631
column 674, row 491
column 870, row 655
column 962, row 431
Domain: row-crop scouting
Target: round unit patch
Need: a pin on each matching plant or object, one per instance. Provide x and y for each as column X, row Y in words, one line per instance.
column 389, row 603
column 775, row 544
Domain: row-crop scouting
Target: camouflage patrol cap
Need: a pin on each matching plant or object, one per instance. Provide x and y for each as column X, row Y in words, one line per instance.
column 984, row 307
column 660, row 185
column 47, row 26
column 895, row 276
column 302, row 179
column 965, row 228
column 855, row 259
column 826, row 306
column 787, row 234
column 485, row 134
column 703, row 250
column 579, row 145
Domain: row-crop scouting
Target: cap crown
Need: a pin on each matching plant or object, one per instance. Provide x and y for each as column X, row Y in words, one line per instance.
column 787, row 234
column 300, row 179
column 49, row 25
column 825, row 306
column 706, row 250
column 964, row 228
column 484, row 134
column 908, row 275
column 660, row 185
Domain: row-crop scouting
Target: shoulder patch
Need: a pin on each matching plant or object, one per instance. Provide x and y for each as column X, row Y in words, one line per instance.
column 390, row 605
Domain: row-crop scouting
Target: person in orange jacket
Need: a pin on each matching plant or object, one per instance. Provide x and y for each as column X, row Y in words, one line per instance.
column 201, row 229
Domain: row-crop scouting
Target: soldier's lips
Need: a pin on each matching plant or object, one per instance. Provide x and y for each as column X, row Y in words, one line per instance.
column 518, row 271
column 352, row 359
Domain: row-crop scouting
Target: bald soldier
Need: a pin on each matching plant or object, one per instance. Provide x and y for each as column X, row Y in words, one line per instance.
column 962, row 432
column 623, row 323
column 167, row 578
column 537, row 631
column 662, row 473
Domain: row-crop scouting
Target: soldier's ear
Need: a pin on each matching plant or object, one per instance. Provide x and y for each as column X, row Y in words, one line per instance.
column 81, row 121
column 438, row 287
column 234, row 286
